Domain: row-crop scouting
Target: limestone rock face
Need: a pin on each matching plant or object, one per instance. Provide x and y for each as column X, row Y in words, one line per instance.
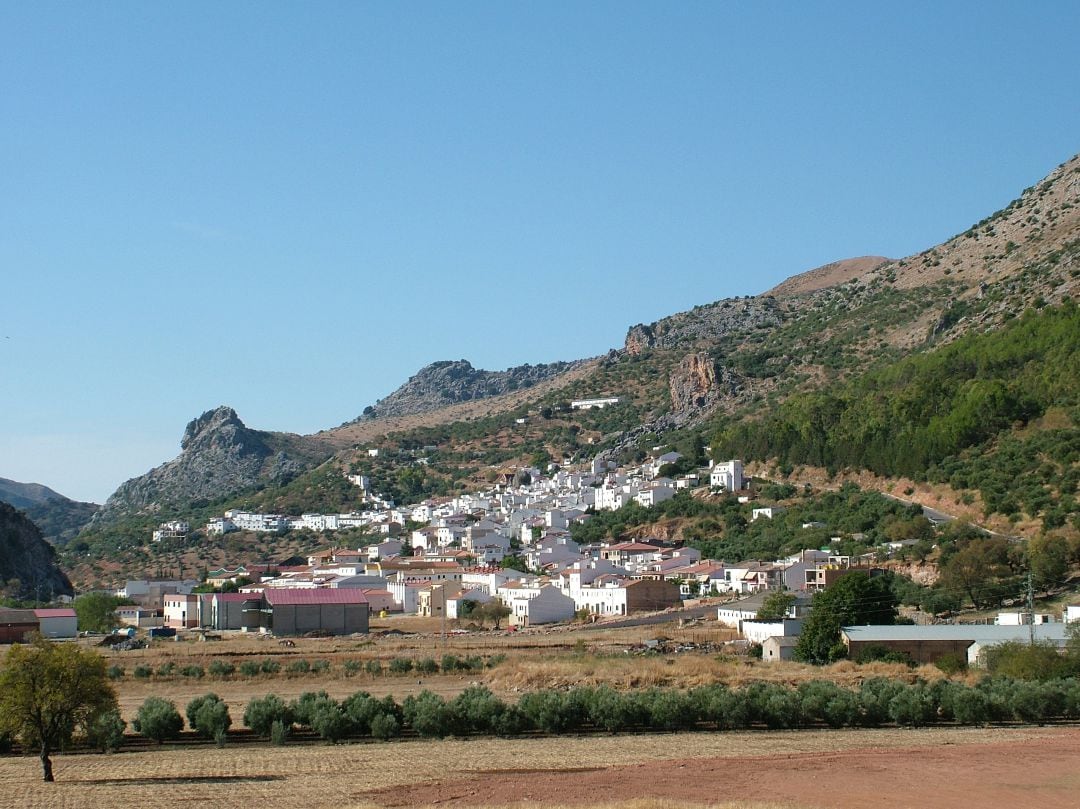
column 220, row 456
column 692, row 382
column 27, row 562
column 452, row 381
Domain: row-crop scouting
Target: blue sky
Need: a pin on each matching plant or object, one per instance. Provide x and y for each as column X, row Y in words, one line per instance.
column 290, row 208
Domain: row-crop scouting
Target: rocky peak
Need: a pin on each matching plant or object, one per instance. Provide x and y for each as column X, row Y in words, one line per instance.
column 220, row 456
column 221, row 420
column 448, row 382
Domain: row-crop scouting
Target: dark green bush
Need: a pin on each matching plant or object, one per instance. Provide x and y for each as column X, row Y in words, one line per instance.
column 401, row 665
column 220, row 668
column 209, row 716
column 261, row 714
column 158, row 719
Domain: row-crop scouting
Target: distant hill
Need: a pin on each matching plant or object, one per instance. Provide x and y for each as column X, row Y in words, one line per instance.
column 59, row 518
column 27, row 562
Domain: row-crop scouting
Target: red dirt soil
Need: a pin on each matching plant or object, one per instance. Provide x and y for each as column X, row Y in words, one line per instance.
column 1039, row 771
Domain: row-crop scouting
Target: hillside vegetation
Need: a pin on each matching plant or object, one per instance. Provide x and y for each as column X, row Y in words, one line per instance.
column 942, row 414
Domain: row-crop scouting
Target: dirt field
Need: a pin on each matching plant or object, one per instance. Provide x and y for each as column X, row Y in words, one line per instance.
column 988, row 768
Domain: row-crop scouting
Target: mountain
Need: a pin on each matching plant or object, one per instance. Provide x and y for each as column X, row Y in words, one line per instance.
column 28, row 568
column 453, row 381
column 59, row 518
column 219, row 456
column 686, row 377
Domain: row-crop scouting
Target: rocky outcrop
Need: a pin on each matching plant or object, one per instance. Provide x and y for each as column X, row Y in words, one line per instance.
column 452, row 381
column 27, row 562
column 704, row 324
column 220, row 456
column 693, row 382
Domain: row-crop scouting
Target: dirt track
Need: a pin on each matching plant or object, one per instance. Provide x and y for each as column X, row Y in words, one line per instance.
column 1038, row 770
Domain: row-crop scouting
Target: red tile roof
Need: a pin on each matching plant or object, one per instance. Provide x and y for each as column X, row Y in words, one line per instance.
column 55, row 612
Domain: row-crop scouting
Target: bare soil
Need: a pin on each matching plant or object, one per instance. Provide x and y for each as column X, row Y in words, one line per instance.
column 847, row 769
column 935, row 769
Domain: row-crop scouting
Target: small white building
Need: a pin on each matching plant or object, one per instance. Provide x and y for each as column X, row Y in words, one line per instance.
column 58, row 622
column 727, row 476
column 544, row 605
column 598, row 403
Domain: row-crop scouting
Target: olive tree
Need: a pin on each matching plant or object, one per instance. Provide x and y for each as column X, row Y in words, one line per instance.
column 50, row 691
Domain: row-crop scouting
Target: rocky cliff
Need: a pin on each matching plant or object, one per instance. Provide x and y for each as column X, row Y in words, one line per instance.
column 220, row 456
column 27, row 562
column 452, row 381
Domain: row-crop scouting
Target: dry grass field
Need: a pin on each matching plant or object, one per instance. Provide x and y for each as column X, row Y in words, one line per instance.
column 533, row 660
column 757, row 770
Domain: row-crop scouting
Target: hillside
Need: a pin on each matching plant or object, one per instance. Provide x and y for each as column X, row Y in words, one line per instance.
column 59, row 518
column 28, row 568
column 682, row 379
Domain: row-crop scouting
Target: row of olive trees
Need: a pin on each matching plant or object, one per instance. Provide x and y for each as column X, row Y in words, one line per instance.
column 477, row 711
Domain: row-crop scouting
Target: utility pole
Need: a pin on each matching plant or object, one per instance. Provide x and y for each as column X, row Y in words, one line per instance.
column 1031, row 610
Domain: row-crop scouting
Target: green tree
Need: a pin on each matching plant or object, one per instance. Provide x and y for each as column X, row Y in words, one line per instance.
column 855, row 598
column 50, row 691
column 494, row 611
column 1048, row 560
column 980, row 568
column 97, row 611
column 775, row 605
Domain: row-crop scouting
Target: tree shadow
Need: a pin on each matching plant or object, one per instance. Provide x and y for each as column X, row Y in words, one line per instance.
column 179, row 779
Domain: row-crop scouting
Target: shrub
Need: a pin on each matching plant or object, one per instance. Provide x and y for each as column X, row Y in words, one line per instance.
column 952, row 663
column 303, row 706
column 874, row 698
column 613, row 711
column 328, row 720
column 319, row 666
column 261, row 714
column 107, row 732
column 116, row 672
column 554, row 711
column 193, row 671
column 772, row 705
column 670, row 709
column 351, row 667
column 158, row 719
column 143, row 672
column 249, row 668
column 725, row 707
column 429, row 715
column 385, row 727
column 427, row 665
column 298, row 667
column 823, row 701
column 495, row 660
column 374, row 668
column 401, row 665
column 477, row 710
column 969, row 706
column 221, row 668
column 912, row 705
column 166, row 669
column 269, row 666
column 450, row 663
column 209, row 716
